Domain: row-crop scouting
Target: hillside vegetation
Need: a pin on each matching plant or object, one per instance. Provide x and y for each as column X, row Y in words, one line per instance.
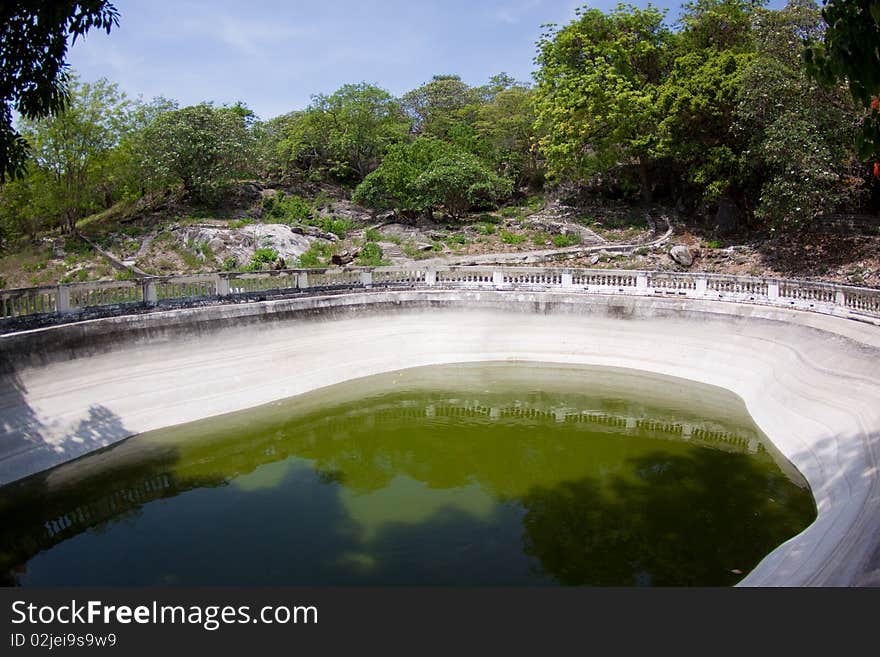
column 712, row 123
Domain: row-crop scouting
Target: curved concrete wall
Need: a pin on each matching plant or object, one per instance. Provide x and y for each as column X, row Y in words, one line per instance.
column 810, row 381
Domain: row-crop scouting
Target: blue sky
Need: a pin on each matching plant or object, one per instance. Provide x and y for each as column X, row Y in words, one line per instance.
column 274, row 55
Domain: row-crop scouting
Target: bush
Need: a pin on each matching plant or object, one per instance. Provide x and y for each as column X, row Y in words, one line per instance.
column 337, row 225
column 262, row 259
column 316, row 255
column 566, row 239
column 427, row 174
column 512, row 238
column 287, row 209
column 371, row 256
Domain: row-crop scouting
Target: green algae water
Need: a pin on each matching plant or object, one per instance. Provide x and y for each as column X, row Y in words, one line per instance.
column 473, row 474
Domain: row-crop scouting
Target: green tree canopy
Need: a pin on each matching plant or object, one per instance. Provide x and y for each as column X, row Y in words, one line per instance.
column 436, row 107
column 71, row 148
column 33, row 45
column 345, row 133
column 798, row 135
column 427, row 174
column 201, row 146
column 598, row 82
column 850, row 51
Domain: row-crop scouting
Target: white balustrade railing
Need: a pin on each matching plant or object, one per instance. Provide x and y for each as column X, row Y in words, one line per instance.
column 826, row 298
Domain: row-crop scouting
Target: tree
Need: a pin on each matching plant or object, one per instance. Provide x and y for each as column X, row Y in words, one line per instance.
column 71, row 147
column 344, row 135
column 849, row 51
column 698, row 99
column 358, row 123
column 201, row 146
column 598, row 81
column 799, row 135
column 429, row 174
column 436, row 107
column 505, row 128
column 34, row 36
column 392, row 185
column 458, row 181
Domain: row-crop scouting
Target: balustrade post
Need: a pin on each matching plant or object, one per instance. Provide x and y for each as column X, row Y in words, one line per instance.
column 62, row 299
column 302, row 280
column 840, row 298
column 497, row 278
column 150, row 297
column 701, row 287
column 221, row 285
column 430, row 276
column 773, row 290
column 642, row 282
column 567, row 279
column 367, row 278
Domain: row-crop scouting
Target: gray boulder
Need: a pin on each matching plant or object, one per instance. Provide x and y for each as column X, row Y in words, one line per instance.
column 682, row 255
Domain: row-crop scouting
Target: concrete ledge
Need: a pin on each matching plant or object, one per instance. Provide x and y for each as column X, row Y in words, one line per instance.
column 810, row 381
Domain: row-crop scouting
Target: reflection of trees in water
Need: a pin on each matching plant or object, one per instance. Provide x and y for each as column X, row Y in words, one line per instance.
column 670, row 525
column 684, row 521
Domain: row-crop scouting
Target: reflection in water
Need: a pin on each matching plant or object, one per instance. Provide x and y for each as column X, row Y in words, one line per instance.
column 466, row 474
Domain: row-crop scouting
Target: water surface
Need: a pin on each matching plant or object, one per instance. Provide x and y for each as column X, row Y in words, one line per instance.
column 478, row 474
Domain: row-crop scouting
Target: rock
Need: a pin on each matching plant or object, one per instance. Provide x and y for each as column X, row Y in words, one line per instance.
column 594, row 260
column 421, row 246
column 682, row 255
column 311, row 231
column 342, row 258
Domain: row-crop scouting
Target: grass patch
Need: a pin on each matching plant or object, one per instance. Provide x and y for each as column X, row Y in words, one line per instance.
column 566, row 239
column 317, row 255
column 371, row 256
column 336, row 225
column 372, row 235
column 512, row 238
column 287, row 209
column 512, row 212
column 262, row 259
column 540, row 238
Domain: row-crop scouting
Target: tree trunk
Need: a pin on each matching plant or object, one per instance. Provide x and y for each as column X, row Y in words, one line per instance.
column 645, row 186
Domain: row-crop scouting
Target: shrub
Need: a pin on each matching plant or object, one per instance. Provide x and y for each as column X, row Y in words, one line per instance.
column 566, row 239
column 316, row 255
column 512, row 238
column 429, row 173
column 339, row 226
column 371, row 256
column 287, row 209
column 262, row 259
